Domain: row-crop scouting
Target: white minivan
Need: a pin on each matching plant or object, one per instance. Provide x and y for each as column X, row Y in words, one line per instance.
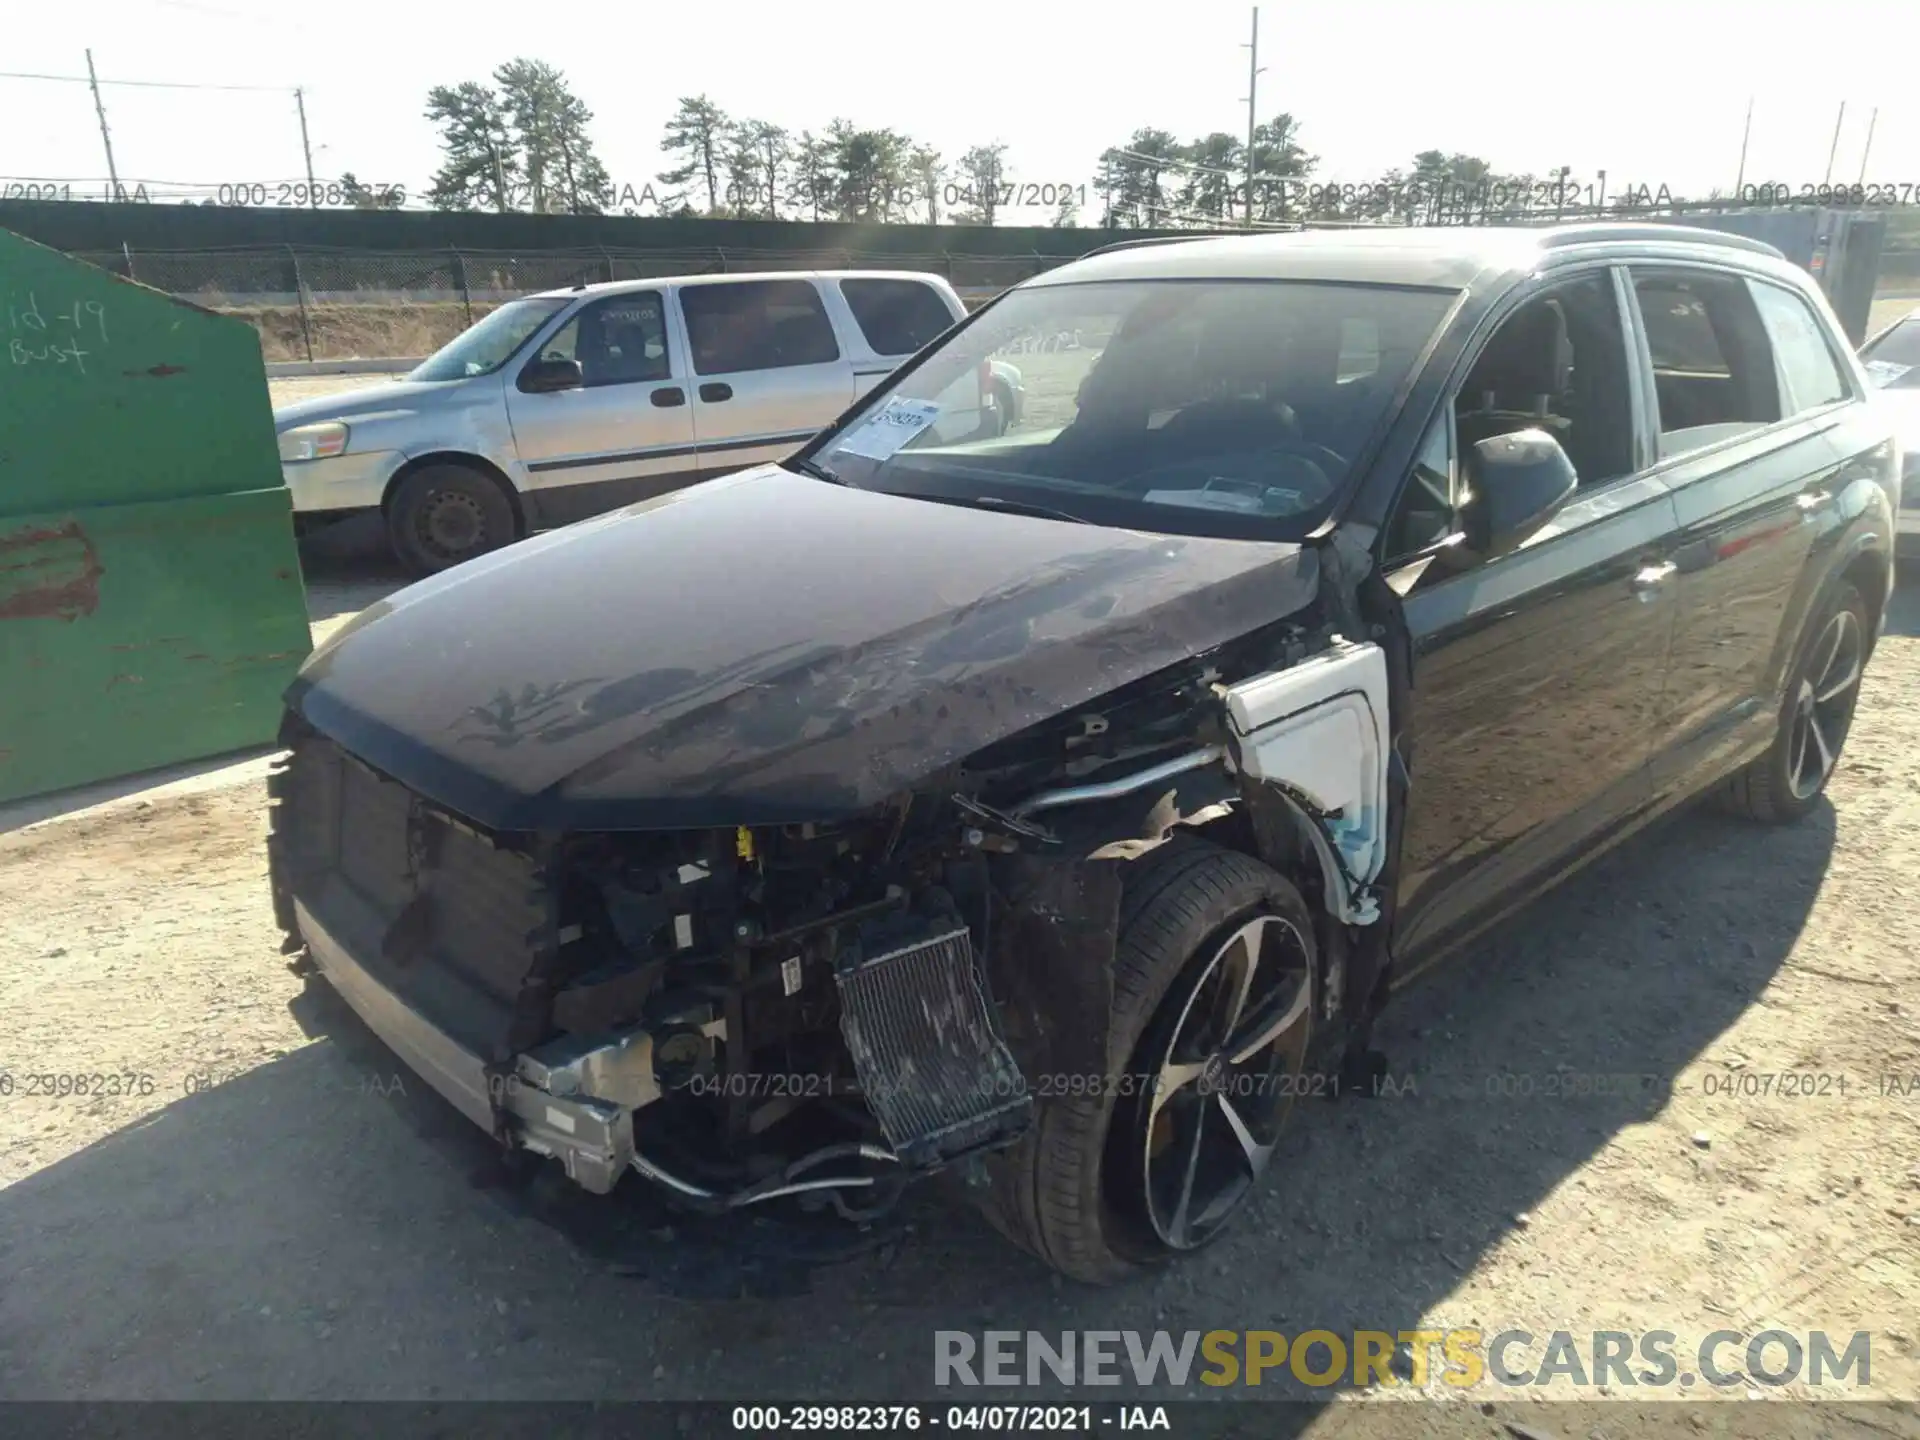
column 565, row 404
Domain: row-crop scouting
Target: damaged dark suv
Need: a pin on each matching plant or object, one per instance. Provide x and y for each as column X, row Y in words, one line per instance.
column 1053, row 806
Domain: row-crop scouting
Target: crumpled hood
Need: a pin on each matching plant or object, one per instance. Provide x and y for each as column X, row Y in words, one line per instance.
column 391, row 397
column 764, row 649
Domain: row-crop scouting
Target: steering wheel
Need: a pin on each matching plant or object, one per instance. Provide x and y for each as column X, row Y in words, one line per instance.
column 1330, row 463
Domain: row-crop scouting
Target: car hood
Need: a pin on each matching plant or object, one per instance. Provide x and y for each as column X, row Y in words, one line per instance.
column 392, row 397
column 764, row 649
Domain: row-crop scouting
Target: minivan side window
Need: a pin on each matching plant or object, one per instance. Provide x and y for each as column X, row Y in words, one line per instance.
column 1807, row 365
column 757, row 325
column 1712, row 362
column 897, row 317
column 621, row 340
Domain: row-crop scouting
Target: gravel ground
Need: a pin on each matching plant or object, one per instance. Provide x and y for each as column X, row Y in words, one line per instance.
column 274, row 1209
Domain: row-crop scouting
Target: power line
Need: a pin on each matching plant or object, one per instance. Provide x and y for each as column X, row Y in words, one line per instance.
column 144, row 84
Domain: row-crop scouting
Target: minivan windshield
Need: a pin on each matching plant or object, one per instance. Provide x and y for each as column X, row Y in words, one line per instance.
column 487, row 344
column 1231, row 408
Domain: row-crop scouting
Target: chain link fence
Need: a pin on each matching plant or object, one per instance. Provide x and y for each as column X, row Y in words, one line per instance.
column 311, row 304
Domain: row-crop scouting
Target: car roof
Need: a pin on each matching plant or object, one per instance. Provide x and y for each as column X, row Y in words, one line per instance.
column 654, row 282
column 1448, row 257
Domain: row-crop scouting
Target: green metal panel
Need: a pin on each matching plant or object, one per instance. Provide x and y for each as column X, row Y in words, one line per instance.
column 151, row 606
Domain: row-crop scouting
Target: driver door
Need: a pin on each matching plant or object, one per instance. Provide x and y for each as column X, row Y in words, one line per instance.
column 1537, row 674
column 626, row 432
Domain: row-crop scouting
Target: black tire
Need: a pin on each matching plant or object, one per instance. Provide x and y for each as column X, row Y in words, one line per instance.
column 1066, row 1193
column 1781, row 785
column 443, row 515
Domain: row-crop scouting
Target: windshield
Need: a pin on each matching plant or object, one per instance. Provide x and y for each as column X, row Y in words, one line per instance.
column 1231, row 408
column 486, row 345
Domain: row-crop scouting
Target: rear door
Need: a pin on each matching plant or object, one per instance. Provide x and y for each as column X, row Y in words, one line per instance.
column 1744, row 390
column 768, row 370
column 627, row 432
column 1536, row 674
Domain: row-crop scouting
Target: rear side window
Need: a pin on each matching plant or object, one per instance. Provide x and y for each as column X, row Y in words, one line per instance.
column 757, row 325
column 1712, row 361
column 1799, row 341
column 897, row 317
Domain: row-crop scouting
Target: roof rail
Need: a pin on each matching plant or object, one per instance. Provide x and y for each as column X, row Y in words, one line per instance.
column 1600, row 231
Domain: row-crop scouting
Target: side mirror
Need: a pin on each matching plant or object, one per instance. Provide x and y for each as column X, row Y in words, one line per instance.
column 542, row 377
column 1515, row 485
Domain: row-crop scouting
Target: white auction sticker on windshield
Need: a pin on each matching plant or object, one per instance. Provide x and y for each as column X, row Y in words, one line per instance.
column 890, row 427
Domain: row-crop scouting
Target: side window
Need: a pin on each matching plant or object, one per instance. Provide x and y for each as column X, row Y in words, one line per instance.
column 621, row 340
column 897, row 317
column 1800, row 343
column 757, row 325
column 1712, row 362
column 1558, row 364
column 1424, row 513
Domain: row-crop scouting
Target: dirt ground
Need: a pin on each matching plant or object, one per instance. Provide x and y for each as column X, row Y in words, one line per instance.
column 265, row 1205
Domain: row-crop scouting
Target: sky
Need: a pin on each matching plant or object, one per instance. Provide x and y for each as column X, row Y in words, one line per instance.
column 1653, row 93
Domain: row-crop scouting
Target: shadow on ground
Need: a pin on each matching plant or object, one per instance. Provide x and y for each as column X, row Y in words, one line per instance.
column 324, row 1227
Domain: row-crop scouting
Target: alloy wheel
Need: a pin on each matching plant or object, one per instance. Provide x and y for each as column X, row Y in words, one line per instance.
column 1224, row 1079
column 1823, row 706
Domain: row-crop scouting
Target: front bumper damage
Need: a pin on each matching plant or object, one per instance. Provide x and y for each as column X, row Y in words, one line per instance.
column 546, row 1113
column 738, row 1016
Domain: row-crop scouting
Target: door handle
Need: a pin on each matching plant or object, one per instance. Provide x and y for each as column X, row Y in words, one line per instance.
column 669, row 396
column 1648, row 579
column 714, row 391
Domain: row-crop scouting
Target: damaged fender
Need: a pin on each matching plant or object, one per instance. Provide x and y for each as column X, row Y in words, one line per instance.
column 1316, row 736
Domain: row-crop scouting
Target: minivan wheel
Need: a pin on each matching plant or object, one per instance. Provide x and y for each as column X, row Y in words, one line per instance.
column 1787, row 781
column 1213, row 1005
column 445, row 514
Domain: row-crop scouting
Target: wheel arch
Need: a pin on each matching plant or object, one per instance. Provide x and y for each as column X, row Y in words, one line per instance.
column 1870, row 569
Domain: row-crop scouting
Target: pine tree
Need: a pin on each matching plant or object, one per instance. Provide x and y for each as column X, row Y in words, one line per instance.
column 698, row 134
column 481, row 170
column 562, row 174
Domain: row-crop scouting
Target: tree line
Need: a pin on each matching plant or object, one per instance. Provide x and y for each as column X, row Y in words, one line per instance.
column 520, row 142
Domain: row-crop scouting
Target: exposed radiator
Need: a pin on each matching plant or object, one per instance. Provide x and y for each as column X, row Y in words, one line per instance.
column 931, row 1062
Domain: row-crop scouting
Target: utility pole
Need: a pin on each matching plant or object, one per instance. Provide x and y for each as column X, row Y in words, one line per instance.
column 113, row 175
column 300, row 100
column 1834, row 149
column 1253, row 81
column 1872, row 120
column 1746, row 133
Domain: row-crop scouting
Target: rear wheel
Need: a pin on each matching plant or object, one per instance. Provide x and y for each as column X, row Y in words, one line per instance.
column 1213, row 1005
column 445, row 514
column 1787, row 781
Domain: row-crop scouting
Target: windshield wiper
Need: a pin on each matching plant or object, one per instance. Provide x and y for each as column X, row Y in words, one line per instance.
column 816, row 470
column 994, row 502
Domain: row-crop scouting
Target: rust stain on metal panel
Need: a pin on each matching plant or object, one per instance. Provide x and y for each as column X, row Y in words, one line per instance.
column 49, row 574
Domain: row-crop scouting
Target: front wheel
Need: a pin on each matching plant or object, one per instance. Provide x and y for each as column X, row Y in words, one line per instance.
column 443, row 515
column 1213, row 1004
column 1787, row 781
